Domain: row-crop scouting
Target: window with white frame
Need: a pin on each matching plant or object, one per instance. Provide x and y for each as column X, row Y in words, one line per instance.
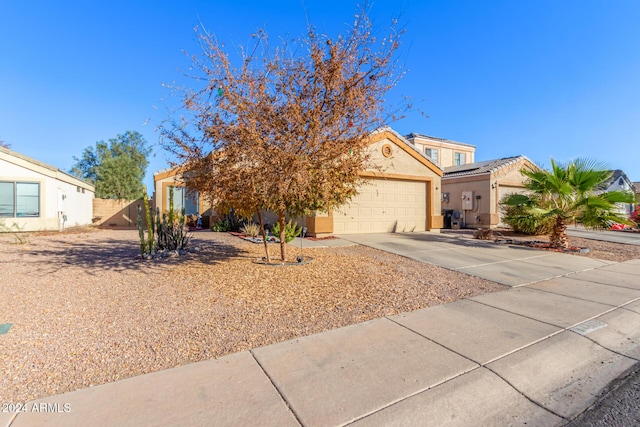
column 459, row 159
column 431, row 153
column 19, row 199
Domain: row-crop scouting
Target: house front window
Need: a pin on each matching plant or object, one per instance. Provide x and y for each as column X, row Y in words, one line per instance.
column 184, row 198
column 19, row 199
column 431, row 153
column 459, row 159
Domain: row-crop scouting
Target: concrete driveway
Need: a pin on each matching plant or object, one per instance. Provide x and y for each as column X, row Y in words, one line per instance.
column 507, row 264
column 606, row 235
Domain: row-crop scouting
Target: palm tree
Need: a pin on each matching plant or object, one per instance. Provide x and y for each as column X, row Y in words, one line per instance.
column 570, row 193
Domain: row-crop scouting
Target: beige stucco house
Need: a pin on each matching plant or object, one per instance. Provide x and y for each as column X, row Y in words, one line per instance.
column 443, row 152
column 471, row 193
column 35, row 196
column 401, row 194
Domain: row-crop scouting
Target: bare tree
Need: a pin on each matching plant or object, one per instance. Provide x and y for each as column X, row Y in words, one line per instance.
column 286, row 130
column 4, row 144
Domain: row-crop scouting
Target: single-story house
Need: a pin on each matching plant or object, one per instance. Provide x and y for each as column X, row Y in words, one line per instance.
column 403, row 194
column 619, row 181
column 471, row 193
column 35, row 196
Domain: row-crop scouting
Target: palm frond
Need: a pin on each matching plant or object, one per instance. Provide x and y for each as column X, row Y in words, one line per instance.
column 517, row 199
column 618, row 196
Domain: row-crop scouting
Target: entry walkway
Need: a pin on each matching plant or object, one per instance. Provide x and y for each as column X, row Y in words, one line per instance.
column 537, row 354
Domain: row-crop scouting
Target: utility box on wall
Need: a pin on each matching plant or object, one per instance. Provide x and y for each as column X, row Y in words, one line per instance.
column 467, row 200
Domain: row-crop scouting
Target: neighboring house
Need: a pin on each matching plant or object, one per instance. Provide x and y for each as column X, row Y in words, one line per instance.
column 471, row 193
column 36, row 196
column 637, row 187
column 443, row 152
column 403, row 195
column 620, row 182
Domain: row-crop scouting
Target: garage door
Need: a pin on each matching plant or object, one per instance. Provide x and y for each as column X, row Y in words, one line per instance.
column 384, row 205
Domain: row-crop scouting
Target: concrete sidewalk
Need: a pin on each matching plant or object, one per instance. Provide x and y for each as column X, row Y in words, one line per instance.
column 536, row 354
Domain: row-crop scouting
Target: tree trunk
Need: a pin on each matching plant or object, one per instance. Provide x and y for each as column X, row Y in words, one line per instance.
column 283, row 243
column 558, row 237
column 264, row 236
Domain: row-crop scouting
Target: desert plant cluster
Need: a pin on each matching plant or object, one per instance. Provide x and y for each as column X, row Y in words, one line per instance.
column 165, row 233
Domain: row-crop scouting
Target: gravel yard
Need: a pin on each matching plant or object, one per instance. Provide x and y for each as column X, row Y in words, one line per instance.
column 85, row 311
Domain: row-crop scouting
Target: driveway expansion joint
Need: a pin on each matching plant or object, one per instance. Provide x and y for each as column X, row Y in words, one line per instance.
column 277, row 389
column 12, row 419
column 524, row 395
column 433, row 341
column 605, row 347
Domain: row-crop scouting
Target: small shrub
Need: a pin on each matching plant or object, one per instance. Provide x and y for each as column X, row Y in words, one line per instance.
column 291, row 230
column 235, row 221
column 221, row 226
column 526, row 223
column 250, row 229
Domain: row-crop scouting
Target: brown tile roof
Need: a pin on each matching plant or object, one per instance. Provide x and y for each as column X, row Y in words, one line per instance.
column 478, row 168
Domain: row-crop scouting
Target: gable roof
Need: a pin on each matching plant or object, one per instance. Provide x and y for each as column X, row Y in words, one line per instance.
column 615, row 176
column 27, row 162
column 374, row 136
column 400, row 141
column 484, row 167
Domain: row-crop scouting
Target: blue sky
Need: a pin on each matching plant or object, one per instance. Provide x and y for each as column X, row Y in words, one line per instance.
column 545, row 78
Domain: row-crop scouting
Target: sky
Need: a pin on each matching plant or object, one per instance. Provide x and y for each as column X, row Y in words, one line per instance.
column 546, row 79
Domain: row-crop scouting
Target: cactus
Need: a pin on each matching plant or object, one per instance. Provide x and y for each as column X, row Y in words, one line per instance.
column 151, row 246
column 164, row 232
column 171, row 218
column 143, row 245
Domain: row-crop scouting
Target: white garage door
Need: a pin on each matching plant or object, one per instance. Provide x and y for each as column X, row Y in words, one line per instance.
column 384, row 205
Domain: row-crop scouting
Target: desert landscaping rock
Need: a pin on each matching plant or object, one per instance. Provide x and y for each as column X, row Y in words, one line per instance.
column 85, row 311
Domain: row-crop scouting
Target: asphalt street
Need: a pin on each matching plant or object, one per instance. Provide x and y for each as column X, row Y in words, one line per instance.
column 617, row 408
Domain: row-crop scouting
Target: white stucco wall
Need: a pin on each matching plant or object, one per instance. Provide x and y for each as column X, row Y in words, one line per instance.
column 77, row 203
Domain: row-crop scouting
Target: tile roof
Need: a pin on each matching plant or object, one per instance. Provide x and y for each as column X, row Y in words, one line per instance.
column 478, row 168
